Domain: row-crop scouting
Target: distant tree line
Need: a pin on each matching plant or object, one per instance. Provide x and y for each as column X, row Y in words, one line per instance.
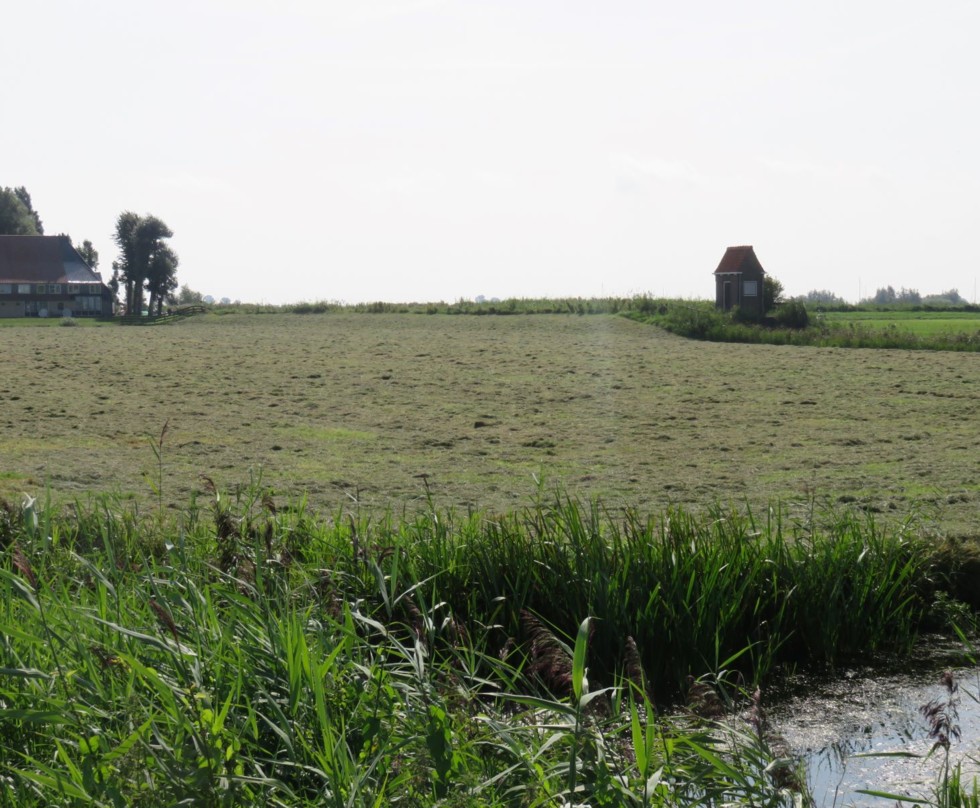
column 884, row 296
column 821, row 297
column 951, row 297
column 887, row 295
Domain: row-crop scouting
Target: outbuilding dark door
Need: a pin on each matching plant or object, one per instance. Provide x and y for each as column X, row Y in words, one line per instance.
column 727, row 296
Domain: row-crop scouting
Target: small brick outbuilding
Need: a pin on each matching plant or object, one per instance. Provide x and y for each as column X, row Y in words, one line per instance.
column 740, row 281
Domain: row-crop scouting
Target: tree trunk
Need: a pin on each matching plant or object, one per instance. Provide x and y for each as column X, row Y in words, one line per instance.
column 138, row 296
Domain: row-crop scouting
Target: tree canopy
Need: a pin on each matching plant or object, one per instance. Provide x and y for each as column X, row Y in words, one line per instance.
column 950, row 297
column 772, row 291
column 188, row 296
column 822, row 297
column 89, row 253
column 887, row 295
column 17, row 214
column 147, row 263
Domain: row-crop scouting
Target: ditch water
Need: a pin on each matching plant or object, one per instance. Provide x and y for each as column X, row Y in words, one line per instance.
column 833, row 724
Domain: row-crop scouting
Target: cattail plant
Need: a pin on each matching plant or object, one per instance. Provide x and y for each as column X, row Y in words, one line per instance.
column 23, row 566
column 165, row 619
column 942, row 720
column 550, row 660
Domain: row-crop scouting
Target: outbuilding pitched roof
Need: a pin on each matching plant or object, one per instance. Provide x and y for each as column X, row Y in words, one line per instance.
column 739, row 259
column 43, row 259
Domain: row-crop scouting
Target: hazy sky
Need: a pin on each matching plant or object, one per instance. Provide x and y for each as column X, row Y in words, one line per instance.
column 426, row 150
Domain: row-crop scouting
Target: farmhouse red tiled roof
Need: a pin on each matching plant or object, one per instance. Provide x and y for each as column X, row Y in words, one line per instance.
column 734, row 259
column 43, row 259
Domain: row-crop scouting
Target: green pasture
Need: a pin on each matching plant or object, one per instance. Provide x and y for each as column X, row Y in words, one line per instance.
column 375, row 413
column 920, row 323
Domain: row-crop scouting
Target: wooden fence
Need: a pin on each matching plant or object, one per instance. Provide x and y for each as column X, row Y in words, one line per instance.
column 172, row 315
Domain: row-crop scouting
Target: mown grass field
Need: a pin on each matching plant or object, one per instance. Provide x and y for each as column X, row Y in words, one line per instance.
column 352, row 410
column 921, row 323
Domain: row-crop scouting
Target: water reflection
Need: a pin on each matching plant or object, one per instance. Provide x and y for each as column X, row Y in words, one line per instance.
column 834, row 724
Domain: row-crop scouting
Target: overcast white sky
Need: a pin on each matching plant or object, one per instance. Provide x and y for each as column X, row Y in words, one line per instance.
column 427, row 150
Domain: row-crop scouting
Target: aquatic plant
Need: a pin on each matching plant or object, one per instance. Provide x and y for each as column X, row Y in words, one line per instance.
column 249, row 652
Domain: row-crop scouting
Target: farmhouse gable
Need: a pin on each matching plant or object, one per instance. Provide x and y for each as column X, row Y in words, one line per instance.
column 42, row 276
column 740, row 281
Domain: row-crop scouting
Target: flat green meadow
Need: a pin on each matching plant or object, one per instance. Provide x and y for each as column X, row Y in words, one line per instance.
column 920, row 323
column 367, row 411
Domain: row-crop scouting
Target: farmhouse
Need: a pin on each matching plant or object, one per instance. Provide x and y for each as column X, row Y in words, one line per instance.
column 739, row 281
column 44, row 276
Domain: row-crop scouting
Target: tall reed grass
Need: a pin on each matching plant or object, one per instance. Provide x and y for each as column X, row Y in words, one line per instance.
column 242, row 654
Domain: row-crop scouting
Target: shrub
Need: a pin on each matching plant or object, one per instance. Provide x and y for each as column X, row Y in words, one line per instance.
column 792, row 314
column 696, row 320
column 772, row 291
column 740, row 315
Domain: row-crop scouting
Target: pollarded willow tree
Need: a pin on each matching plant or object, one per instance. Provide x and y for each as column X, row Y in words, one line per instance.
column 147, row 264
column 161, row 277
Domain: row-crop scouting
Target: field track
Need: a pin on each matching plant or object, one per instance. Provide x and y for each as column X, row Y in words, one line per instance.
column 357, row 407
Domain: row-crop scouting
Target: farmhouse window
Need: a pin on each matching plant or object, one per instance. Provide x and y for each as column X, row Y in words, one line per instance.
column 74, row 288
column 41, row 289
column 54, row 288
column 750, row 288
column 6, row 288
column 23, row 288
